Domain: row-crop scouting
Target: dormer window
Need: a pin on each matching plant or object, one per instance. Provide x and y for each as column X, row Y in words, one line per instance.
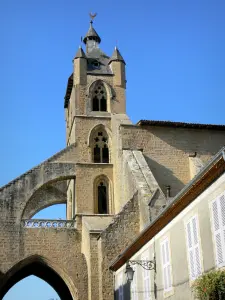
column 95, row 64
column 99, row 98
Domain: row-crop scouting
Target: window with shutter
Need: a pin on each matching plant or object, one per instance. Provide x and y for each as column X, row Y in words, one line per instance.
column 120, row 285
column 134, row 292
column 218, row 220
column 166, row 265
column 193, row 248
column 146, row 279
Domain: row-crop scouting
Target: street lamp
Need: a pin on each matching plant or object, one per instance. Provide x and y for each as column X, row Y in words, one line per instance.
column 129, row 271
column 146, row 264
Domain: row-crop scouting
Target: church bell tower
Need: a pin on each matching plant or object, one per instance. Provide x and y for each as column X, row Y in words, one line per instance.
column 95, row 93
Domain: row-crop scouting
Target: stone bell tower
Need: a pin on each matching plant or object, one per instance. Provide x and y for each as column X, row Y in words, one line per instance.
column 95, row 94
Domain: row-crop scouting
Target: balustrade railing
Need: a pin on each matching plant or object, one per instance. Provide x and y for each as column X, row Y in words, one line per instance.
column 39, row 223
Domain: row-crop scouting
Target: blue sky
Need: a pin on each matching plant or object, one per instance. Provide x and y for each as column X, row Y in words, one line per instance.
column 175, row 55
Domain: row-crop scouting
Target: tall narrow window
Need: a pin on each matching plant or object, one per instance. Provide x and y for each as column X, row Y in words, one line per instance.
column 101, row 150
column 193, row 248
column 95, row 104
column 166, row 265
column 99, row 98
column 102, row 198
column 97, row 154
column 218, row 218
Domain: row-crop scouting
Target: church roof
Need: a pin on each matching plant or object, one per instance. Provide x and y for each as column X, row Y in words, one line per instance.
column 180, row 125
column 92, row 34
column 116, row 56
column 208, row 174
column 98, row 55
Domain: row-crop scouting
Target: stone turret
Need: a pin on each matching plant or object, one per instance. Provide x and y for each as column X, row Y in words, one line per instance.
column 117, row 64
column 80, row 67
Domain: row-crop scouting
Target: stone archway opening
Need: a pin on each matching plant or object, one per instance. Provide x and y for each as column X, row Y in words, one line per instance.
column 31, row 288
column 52, row 212
column 40, row 269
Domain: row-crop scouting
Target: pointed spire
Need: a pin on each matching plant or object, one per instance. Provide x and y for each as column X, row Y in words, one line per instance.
column 80, row 53
column 116, row 56
column 92, row 35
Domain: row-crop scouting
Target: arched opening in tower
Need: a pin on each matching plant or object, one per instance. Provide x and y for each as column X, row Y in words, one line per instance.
column 102, row 198
column 99, row 98
column 101, row 150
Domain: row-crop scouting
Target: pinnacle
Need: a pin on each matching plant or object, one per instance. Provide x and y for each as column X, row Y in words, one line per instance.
column 80, row 53
column 116, row 56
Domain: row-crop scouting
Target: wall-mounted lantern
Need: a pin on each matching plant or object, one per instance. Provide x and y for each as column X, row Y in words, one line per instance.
column 146, row 264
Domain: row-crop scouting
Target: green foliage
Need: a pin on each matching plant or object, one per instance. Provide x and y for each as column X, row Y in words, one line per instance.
column 210, row 286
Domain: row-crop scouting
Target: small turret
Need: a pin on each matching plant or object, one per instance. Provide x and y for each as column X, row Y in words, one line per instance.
column 91, row 39
column 117, row 63
column 80, row 67
column 80, row 53
column 116, row 56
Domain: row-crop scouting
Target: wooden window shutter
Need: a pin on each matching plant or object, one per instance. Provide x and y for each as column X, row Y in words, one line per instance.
column 193, row 248
column 166, row 265
column 218, row 213
column 146, row 279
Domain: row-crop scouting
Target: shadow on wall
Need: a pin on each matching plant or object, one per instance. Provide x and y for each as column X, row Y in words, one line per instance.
column 127, row 292
column 164, row 177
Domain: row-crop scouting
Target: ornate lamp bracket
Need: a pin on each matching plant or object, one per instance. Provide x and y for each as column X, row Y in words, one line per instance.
column 146, row 264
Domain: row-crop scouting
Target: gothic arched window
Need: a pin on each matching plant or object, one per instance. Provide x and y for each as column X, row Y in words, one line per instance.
column 100, row 147
column 99, row 98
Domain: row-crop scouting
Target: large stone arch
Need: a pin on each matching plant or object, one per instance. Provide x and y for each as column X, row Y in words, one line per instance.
column 42, row 198
column 44, row 269
column 15, row 196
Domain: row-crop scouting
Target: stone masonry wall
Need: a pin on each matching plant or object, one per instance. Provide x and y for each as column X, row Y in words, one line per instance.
column 167, row 150
column 18, row 243
column 113, row 240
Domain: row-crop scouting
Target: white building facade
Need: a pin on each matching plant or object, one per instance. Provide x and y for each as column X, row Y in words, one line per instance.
column 189, row 241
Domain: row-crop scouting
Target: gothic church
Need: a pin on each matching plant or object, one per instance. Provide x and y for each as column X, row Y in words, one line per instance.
column 115, row 177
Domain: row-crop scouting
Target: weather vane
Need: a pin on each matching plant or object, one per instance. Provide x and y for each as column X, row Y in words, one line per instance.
column 92, row 16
